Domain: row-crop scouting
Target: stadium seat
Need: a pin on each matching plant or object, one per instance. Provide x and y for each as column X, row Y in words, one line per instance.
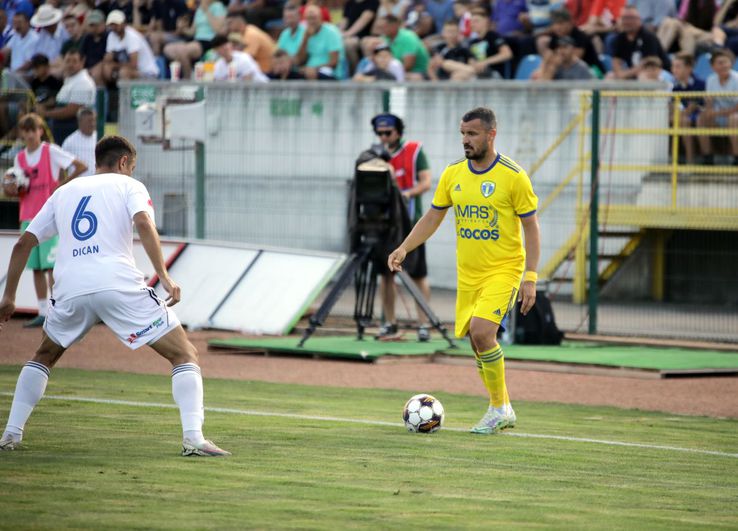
column 702, row 68
column 527, row 66
column 606, row 61
column 735, row 65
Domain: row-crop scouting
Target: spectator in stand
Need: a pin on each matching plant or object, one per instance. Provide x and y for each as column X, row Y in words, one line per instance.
column 725, row 30
column 381, row 67
column 537, row 18
column 283, row 67
column 235, row 65
column 399, row 8
column 209, row 21
column 417, row 20
column 257, row 12
column 489, row 49
column 451, row 58
column 23, row 44
column 562, row 25
column 441, row 11
column 6, row 29
column 162, row 26
column 127, row 54
column 82, row 142
column 77, row 91
column 564, row 63
column 257, row 42
column 324, row 11
column 633, row 43
column 407, row 47
column 720, row 111
column 693, row 27
column 580, row 9
column 321, row 52
column 651, row 70
column 75, row 32
column 654, row 12
column 108, row 6
column 44, row 85
column 51, row 35
column 291, row 37
column 690, row 108
column 12, row 7
column 602, row 16
column 358, row 18
column 462, row 13
column 508, row 16
column 93, row 45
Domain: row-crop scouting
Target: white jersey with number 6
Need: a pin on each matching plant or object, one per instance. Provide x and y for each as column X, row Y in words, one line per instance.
column 94, row 219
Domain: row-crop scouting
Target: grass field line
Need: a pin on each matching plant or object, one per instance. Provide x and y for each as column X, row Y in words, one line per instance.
column 321, row 418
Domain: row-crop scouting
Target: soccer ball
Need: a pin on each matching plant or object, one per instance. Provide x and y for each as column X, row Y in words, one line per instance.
column 15, row 176
column 423, row 413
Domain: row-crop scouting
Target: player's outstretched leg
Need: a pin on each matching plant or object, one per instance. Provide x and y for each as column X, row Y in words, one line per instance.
column 28, row 391
column 187, row 392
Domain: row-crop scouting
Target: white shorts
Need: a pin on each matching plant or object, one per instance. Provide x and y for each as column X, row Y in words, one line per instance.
column 137, row 317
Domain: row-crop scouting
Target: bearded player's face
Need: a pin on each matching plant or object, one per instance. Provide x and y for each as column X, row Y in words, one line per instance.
column 476, row 139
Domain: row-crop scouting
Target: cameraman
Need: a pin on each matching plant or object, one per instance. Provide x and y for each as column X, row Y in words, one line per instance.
column 413, row 178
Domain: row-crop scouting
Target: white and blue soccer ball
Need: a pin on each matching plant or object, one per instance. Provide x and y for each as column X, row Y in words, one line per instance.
column 423, row 413
column 18, row 177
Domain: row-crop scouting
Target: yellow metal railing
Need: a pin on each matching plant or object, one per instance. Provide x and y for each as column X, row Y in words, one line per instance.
column 675, row 132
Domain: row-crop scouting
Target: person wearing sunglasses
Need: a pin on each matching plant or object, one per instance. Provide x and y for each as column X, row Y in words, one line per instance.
column 413, row 178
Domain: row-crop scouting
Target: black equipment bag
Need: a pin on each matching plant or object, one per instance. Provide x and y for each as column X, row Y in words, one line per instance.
column 539, row 326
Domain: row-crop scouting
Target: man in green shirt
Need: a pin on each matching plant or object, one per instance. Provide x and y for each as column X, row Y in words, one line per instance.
column 321, row 52
column 407, row 47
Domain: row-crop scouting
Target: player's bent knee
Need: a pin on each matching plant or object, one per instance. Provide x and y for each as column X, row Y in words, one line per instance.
column 483, row 335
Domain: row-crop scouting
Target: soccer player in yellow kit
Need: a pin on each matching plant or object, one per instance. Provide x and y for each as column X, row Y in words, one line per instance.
column 492, row 198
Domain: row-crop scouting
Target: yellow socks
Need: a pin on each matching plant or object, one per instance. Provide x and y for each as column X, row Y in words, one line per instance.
column 491, row 367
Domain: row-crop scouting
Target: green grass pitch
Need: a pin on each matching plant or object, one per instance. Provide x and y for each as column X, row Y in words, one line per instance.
column 299, row 463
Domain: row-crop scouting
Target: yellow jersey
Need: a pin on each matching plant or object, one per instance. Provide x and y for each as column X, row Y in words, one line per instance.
column 487, row 205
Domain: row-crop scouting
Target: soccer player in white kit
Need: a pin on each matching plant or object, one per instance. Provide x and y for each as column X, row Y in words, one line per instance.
column 97, row 280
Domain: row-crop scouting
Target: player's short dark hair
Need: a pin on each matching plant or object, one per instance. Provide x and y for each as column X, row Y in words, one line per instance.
column 481, row 11
column 110, row 149
column 484, row 115
column 392, row 19
column 452, row 22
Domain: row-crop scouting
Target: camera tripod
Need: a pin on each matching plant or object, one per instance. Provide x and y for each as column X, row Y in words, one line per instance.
column 362, row 267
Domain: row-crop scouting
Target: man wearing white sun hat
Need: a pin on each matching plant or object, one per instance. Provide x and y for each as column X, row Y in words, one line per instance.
column 51, row 34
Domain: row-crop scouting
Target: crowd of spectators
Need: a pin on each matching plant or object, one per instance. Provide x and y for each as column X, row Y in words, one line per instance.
column 64, row 50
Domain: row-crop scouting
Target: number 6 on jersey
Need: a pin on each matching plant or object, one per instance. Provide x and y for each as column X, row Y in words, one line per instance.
column 79, row 215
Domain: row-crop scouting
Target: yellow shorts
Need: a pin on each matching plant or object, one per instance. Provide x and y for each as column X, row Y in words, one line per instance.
column 492, row 302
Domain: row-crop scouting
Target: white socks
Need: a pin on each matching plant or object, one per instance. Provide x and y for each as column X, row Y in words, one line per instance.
column 42, row 305
column 187, row 393
column 186, row 389
column 28, row 391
